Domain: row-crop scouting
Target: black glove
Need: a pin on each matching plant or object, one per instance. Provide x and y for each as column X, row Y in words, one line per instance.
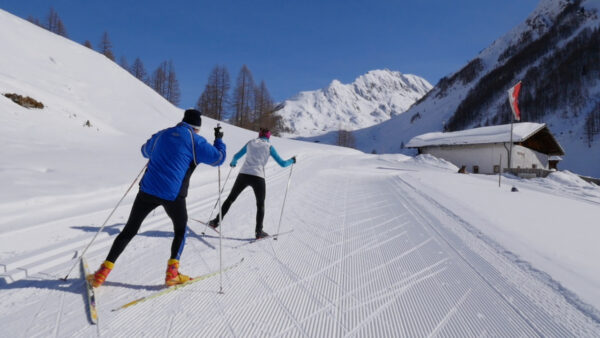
column 294, row 159
column 218, row 132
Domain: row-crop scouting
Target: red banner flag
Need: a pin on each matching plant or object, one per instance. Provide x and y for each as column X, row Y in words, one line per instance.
column 513, row 98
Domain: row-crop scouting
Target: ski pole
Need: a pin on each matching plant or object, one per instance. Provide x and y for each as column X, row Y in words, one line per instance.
column 104, row 224
column 217, row 201
column 284, row 198
column 220, row 238
column 220, row 221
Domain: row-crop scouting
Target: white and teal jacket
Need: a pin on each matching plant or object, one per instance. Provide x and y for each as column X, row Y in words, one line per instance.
column 259, row 150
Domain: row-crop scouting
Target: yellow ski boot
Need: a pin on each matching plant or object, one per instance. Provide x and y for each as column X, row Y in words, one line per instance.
column 173, row 276
column 99, row 277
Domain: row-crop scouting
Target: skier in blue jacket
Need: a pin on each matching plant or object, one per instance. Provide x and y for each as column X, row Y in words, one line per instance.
column 253, row 174
column 173, row 154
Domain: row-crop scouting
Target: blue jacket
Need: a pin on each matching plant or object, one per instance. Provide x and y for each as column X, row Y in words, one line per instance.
column 173, row 156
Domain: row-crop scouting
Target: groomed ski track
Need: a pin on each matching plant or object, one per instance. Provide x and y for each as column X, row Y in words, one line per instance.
column 371, row 255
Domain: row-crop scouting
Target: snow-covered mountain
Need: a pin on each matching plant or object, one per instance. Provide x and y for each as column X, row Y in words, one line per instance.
column 554, row 52
column 371, row 99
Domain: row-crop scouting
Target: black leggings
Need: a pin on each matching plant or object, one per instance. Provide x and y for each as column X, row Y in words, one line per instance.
column 258, row 185
column 143, row 205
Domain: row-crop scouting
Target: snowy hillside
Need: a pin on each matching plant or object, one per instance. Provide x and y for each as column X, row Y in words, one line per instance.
column 558, row 37
column 371, row 99
column 51, row 152
column 374, row 245
column 76, row 85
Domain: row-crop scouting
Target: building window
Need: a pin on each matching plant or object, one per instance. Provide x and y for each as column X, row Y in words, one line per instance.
column 475, row 169
column 534, row 166
column 496, row 169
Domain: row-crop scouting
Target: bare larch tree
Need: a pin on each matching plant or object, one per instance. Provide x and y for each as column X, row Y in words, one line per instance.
column 105, row 47
column 243, row 99
column 215, row 96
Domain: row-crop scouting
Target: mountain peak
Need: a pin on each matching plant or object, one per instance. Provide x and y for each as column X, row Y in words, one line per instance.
column 372, row 98
column 553, row 50
column 335, row 83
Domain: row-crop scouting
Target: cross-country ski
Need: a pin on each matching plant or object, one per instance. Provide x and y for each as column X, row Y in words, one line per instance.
column 254, row 240
column 89, row 290
column 205, row 225
column 178, row 286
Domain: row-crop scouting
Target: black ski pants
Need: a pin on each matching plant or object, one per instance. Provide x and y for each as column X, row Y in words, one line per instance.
column 258, row 185
column 144, row 203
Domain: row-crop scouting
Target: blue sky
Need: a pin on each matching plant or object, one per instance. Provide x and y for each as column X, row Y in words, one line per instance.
column 292, row 45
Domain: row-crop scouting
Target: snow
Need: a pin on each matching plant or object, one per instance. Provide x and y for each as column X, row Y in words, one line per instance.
column 382, row 245
column 372, row 98
column 493, row 134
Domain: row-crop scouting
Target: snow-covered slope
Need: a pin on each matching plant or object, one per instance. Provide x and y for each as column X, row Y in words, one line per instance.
column 381, row 245
column 554, row 52
column 371, row 99
column 76, row 85
column 51, row 152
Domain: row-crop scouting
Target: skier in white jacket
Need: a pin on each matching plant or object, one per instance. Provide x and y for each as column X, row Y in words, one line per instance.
column 253, row 174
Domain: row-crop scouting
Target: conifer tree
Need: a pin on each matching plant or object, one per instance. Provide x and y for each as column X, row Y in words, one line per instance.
column 173, row 93
column 203, row 103
column 138, row 70
column 265, row 110
column 52, row 20
column 60, row 29
column 105, row 47
column 123, row 63
column 55, row 24
column 34, row 21
column 164, row 82
column 214, row 98
column 243, row 99
column 158, row 79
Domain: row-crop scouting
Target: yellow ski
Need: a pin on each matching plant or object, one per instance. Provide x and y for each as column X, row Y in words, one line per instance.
column 175, row 287
column 91, row 296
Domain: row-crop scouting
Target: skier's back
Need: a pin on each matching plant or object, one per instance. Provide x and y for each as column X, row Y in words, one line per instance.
column 252, row 174
column 173, row 154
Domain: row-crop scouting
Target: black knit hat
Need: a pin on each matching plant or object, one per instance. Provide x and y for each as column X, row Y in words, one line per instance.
column 192, row 117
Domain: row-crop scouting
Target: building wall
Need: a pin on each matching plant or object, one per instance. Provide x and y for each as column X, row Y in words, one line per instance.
column 526, row 158
column 486, row 156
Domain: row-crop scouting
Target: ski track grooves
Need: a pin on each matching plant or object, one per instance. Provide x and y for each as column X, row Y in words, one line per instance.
column 528, row 296
column 370, row 256
column 518, row 311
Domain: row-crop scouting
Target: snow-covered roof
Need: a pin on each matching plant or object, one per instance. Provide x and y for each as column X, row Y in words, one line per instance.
column 485, row 135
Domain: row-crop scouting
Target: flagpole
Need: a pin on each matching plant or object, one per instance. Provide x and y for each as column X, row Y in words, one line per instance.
column 512, row 120
column 513, row 100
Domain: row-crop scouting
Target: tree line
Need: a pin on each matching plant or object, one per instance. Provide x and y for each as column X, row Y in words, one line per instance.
column 163, row 79
column 249, row 106
column 51, row 22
